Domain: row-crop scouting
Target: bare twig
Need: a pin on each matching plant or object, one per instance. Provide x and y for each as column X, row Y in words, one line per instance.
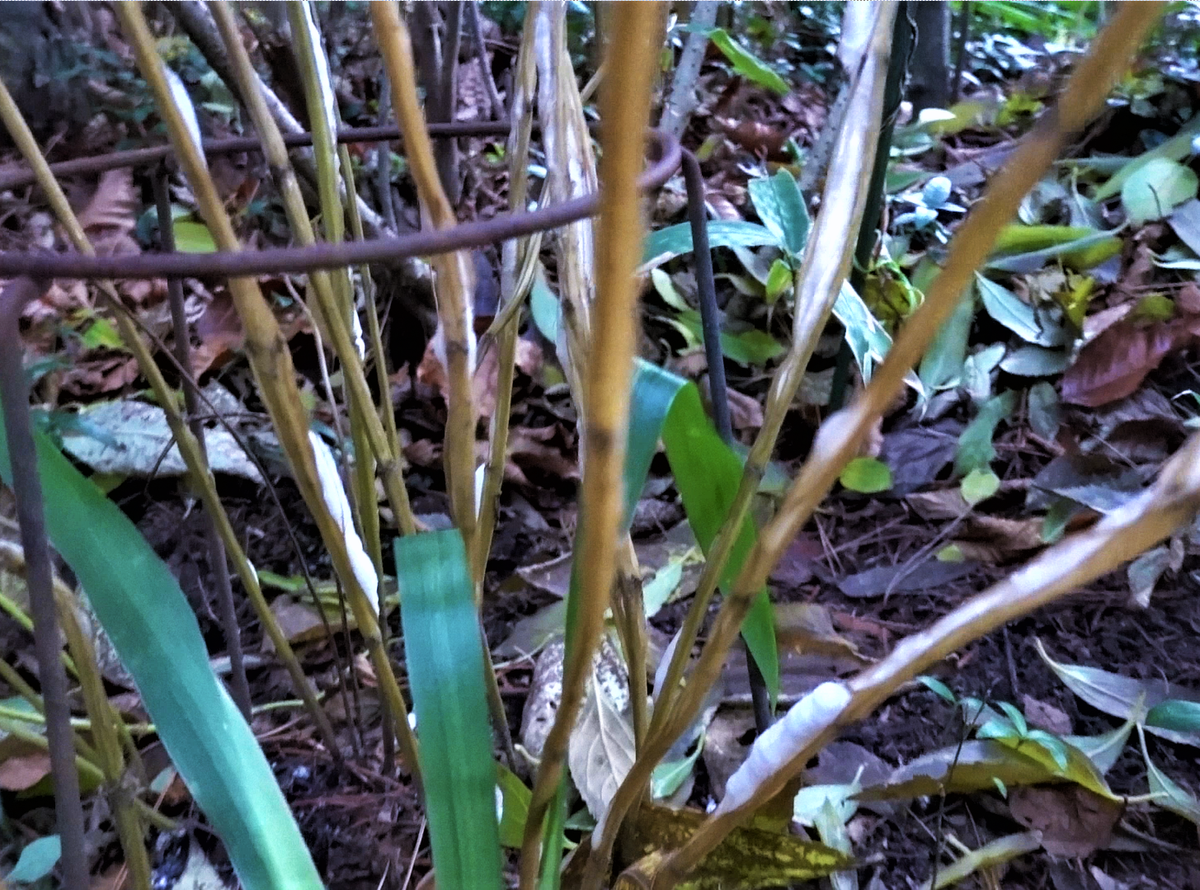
column 684, row 95
column 216, row 551
column 485, row 69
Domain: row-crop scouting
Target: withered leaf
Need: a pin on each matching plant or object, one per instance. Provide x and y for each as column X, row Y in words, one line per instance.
column 1115, row 363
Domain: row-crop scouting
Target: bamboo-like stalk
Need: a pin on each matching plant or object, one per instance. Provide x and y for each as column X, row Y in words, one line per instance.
column 1169, row 505
column 189, row 448
column 331, row 185
column 838, row 438
column 454, row 276
column 827, row 262
column 106, row 728
column 365, row 502
column 384, row 447
column 629, row 617
column 625, row 114
column 512, row 285
column 13, row 679
column 272, row 366
column 572, row 172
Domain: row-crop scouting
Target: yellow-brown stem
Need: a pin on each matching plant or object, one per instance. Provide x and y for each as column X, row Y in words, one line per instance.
column 625, row 109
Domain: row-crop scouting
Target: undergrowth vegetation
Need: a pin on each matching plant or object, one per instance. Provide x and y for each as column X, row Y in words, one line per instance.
column 891, row 288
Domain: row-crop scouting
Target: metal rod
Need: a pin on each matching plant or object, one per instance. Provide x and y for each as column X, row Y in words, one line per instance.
column 706, row 288
column 718, row 391
column 226, row 264
column 27, row 490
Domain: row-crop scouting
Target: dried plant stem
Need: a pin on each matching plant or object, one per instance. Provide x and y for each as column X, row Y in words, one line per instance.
column 838, row 438
column 189, row 448
column 217, row 563
column 454, row 278
column 1079, row 559
column 827, row 262
column 625, row 105
column 629, row 616
column 107, row 727
column 272, row 366
column 339, row 304
column 368, row 512
column 390, row 463
column 514, row 287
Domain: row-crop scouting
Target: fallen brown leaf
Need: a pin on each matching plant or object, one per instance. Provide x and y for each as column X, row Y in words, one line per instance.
column 1073, row 820
column 23, row 771
column 1116, row 362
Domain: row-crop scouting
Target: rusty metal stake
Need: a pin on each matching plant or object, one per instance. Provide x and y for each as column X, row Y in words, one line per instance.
column 710, row 320
column 48, row 643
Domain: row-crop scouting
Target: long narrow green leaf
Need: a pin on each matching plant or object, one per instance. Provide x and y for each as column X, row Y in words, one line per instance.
column 445, row 670
column 152, row 628
column 707, row 473
column 666, row 244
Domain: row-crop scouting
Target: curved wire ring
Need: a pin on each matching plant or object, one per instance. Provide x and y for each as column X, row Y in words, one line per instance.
column 666, row 158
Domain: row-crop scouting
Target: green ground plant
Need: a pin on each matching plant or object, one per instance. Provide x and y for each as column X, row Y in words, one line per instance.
column 626, row 407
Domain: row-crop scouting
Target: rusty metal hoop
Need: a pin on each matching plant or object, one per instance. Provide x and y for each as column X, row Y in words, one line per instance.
column 665, row 154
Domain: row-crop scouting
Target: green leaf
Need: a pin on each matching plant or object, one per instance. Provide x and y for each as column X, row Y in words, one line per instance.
column 707, row 473
column 779, row 280
column 1036, row 361
column 938, row 688
column 193, row 237
column 138, row 601
column 780, row 205
column 975, row 449
column 102, row 334
column 669, row 775
column 543, row 306
column 1176, row 148
column 750, row 347
column 866, row 475
column 666, row 244
column 442, row 646
column 865, row 336
column 1177, row 716
column 1169, row 794
column 1123, row 697
column 1043, row 410
column 1103, row 750
column 515, row 796
column 1029, row 248
column 942, row 364
column 977, row 764
column 36, row 860
column 1156, row 189
column 979, row 485
column 746, row 63
column 1017, row 315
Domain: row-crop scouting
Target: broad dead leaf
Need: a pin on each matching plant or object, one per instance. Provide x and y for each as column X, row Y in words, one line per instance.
column 601, row 750
column 110, row 215
column 1073, row 820
column 21, row 772
column 220, row 332
column 1116, row 362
